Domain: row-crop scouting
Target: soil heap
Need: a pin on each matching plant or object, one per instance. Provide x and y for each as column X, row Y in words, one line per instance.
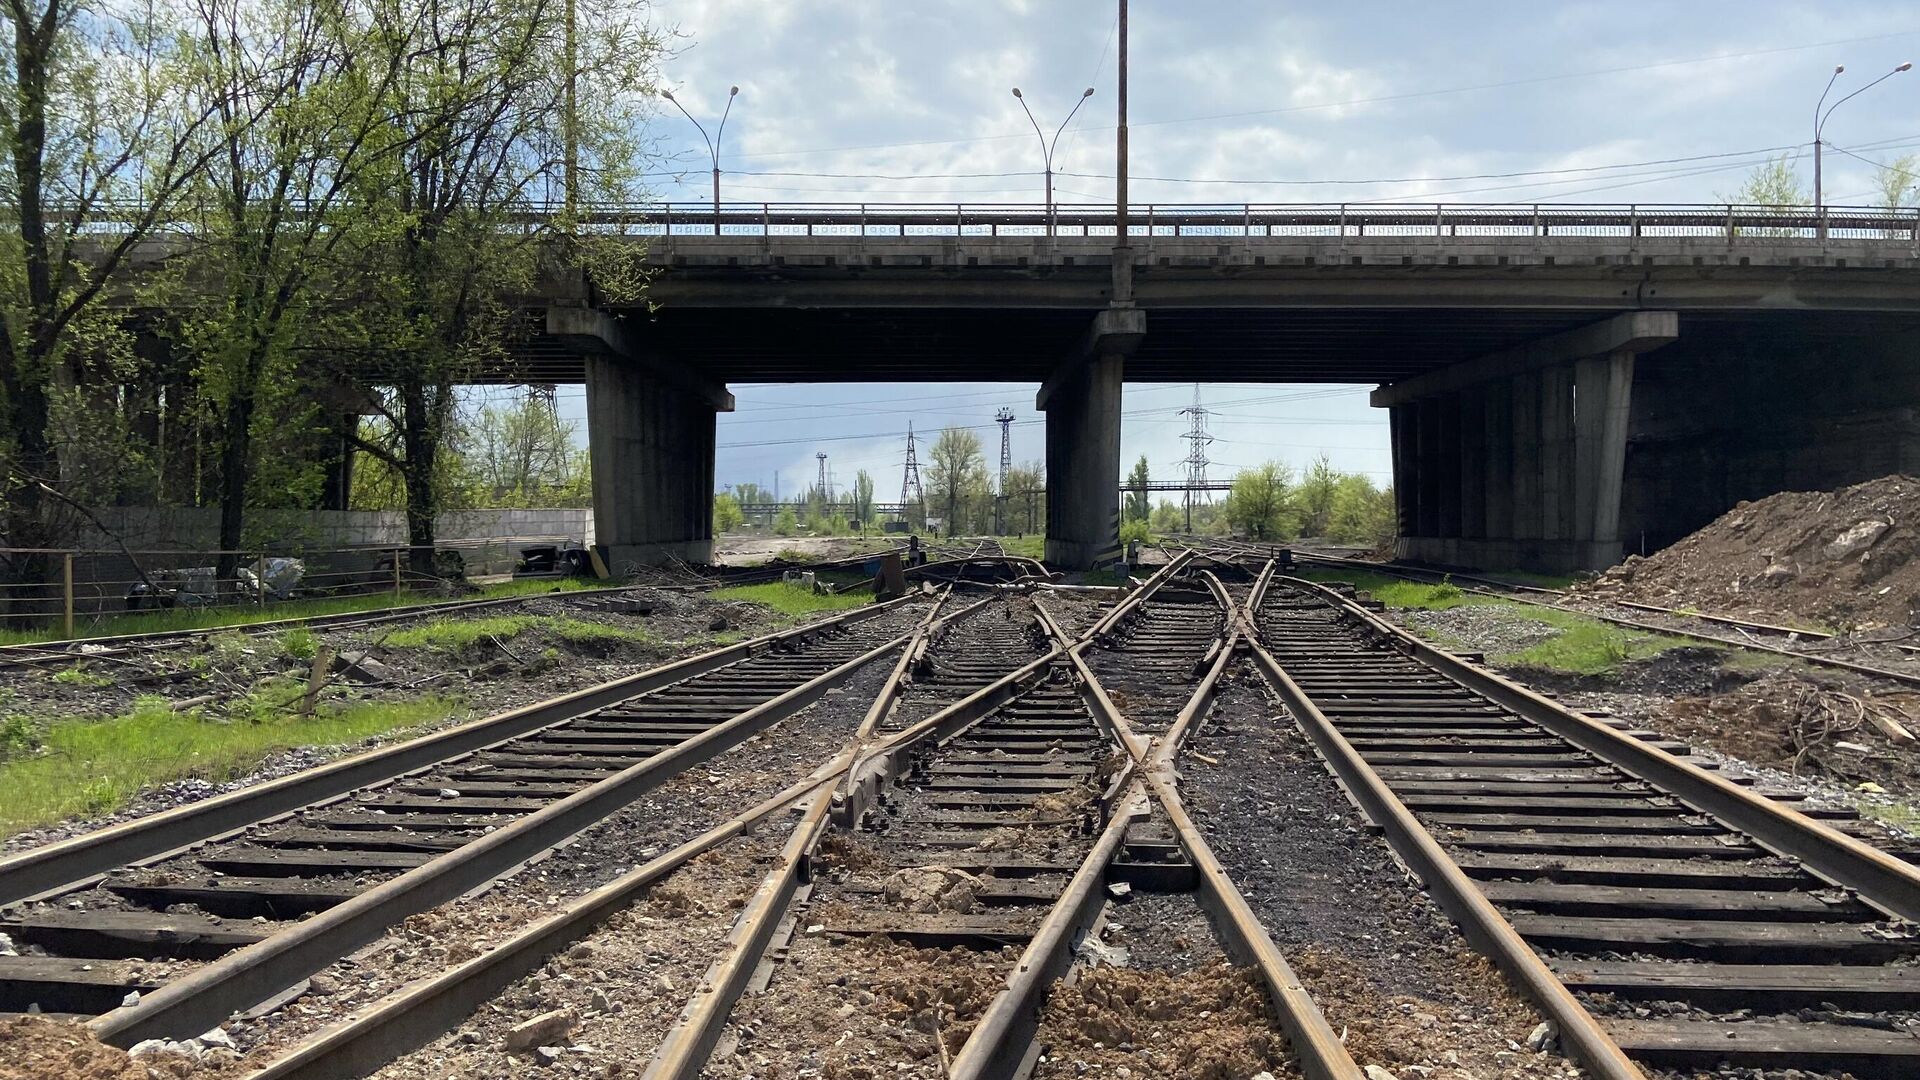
column 1844, row 560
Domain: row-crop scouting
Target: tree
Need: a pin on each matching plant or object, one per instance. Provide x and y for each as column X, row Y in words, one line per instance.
column 863, row 497
column 726, row 513
column 1315, row 495
column 1258, row 502
column 520, row 454
column 492, row 129
column 1362, row 513
column 787, row 522
column 1899, row 182
column 1166, row 517
column 99, row 133
column 1139, row 503
column 956, row 475
column 1026, row 497
column 1775, row 185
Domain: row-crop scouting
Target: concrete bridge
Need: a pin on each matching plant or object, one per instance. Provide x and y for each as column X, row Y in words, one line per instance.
column 1565, row 382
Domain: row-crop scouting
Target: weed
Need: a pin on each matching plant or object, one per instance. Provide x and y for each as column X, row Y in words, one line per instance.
column 452, row 635
column 1898, row 815
column 95, row 766
column 793, row 600
column 18, row 735
column 78, row 675
column 298, row 643
column 1585, row 646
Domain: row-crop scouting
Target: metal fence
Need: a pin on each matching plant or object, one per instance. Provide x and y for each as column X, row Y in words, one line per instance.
column 1727, row 222
column 82, row 590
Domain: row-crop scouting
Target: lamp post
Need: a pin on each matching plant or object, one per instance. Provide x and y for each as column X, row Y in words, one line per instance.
column 713, row 144
column 1046, row 147
column 1820, row 125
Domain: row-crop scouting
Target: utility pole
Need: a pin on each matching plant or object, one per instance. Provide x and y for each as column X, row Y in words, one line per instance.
column 1122, row 253
column 1005, row 419
column 910, row 490
column 825, row 495
column 1197, row 440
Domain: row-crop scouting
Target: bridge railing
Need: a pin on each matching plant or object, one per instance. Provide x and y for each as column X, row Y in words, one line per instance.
column 1725, row 222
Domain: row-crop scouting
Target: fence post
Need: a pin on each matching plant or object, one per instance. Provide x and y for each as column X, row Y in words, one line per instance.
column 66, row 596
column 396, row 571
column 260, row 579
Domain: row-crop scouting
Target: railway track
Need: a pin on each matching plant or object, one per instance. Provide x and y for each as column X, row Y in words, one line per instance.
column 120, row 646
column 1645, row 903
column 1757, row 636
column 249, row 893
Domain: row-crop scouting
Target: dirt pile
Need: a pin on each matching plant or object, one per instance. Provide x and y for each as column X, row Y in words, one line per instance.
column 37, row 1049
column 1845, row 560
column 1203, row 1025
column 1792, row 723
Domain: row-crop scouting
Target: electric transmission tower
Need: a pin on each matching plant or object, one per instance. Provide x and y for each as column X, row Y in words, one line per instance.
column 910, row 491
column 1197, row 440
column 1005, row 419
column 826, row 493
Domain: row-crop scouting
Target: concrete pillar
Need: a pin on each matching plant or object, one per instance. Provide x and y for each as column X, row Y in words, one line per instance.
column 1603, row 403
column 1446, row 465
column 1473, row 463
column 1556, row 453
column 1497, row 409
column 1403, row 424
column 1527, row 521
column 652, row 448
column 1425, row 475
column 1083, row 465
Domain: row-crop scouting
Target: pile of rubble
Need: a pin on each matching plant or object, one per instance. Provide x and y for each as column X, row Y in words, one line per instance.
column 1844, row 560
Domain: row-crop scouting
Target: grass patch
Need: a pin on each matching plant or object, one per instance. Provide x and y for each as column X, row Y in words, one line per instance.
column 1585, row 645
column 1025, row 547
column 1106, row 577
column 791, row 599
column 1898, row 815
column 455, row 634
column 146, row 622
column 78, row 675
column 94, row 767
column 1399, row 593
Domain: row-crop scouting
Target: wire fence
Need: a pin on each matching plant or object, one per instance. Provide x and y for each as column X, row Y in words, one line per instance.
column 85, row 591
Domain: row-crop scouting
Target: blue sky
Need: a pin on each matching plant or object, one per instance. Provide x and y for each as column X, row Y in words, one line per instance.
column 1363, row 100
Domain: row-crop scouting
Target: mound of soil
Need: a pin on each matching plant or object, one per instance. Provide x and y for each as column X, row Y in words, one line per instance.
column 1203, row 1025
column 1843, row 559
column 1789, row 722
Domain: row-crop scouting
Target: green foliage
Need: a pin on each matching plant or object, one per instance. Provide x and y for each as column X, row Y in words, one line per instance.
column 957, row 488
column 78, row 675
column 1139, row 501
column 1133, row 530
column 862, row 510
column 93, row 767
column 1257, row 505
column 786, row 523
column 793, row 600
column 1314, row 497
column 19, row 735
column 298, row 643
column 1360, row 513
column 1899, row 182
column 453, row 635
column 726, row 514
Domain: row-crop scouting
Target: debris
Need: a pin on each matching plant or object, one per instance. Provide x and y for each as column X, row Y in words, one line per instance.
column 1119, row 890
column 1375, row 1072
column 931, row 889
column 1543, row 1036
column 542, row 1030
column 6, row 946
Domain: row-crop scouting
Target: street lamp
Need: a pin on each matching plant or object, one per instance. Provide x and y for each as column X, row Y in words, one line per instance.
column 713, row 144
column 1046, row 147
column 1820, row 124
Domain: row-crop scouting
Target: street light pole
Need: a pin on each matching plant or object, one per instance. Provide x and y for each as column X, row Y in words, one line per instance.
column 713, row 144
column 1820, row 126
column 1046, row 148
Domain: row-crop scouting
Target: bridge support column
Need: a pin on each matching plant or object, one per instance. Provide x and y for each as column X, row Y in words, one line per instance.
column 650, row 427
column 1082, row 403
column 1524, row 452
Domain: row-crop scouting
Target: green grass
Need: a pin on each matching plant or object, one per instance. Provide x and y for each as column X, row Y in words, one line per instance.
column 793, row 600
column 455, row 634
column 1399, row 593
column 1899, row 815
column 145, row 622
column 1025, row 547
column 94, row 767
column 78, row 675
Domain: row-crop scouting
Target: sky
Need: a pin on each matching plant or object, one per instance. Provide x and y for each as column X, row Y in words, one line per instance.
column 1235, row 101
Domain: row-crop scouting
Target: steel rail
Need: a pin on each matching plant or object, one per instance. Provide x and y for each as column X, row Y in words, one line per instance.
column 1484, row 927
column 1909, row 678
column 996, row 1046
column 1880, row 879
column 75, row 861
column 58, row 648
column 420, row 1011
column 252, row 974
